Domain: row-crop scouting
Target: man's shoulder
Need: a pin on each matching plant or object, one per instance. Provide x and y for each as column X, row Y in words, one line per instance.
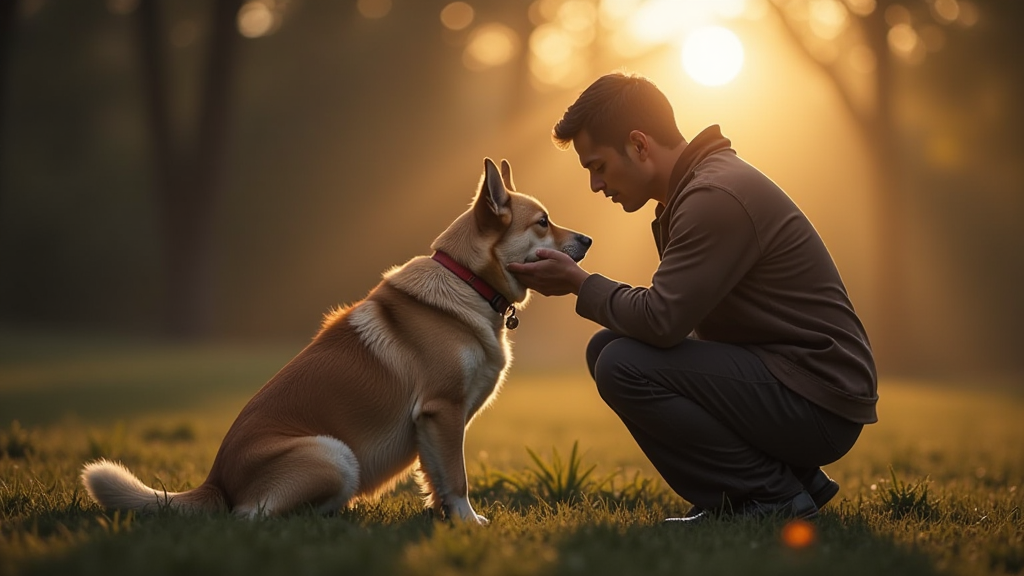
column 727, row 170
column 730, row 174
column 718, row 177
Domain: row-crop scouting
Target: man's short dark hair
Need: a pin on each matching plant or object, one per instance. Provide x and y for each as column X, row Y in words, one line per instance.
column 615, row 105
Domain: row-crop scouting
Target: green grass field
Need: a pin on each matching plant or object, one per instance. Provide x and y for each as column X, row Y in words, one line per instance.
column 934, row 488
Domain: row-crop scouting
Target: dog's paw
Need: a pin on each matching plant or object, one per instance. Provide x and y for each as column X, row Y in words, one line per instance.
column 458, row 513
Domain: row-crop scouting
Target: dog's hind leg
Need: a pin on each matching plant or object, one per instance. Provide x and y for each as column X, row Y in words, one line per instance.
column 320, row 471
column 440, row 434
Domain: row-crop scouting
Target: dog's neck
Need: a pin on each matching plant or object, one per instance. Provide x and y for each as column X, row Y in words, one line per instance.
column 499, row 303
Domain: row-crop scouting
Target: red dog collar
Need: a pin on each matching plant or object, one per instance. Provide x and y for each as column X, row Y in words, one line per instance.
column 499, row 303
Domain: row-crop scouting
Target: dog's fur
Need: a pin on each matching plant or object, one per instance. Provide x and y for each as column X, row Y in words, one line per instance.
column 387, row 382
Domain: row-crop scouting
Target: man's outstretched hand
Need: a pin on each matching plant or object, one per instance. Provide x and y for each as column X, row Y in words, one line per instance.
column 555, row 274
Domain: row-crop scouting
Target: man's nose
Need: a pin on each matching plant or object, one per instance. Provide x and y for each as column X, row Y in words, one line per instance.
column 596, row 184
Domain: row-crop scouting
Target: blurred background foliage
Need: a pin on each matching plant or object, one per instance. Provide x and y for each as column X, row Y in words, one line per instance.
column 229, row 170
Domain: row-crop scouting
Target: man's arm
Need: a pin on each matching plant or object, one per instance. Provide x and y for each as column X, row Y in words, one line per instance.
column 712, row 245
column 555, row 274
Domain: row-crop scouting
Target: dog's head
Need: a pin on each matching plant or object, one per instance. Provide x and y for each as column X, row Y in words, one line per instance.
column 504, row 226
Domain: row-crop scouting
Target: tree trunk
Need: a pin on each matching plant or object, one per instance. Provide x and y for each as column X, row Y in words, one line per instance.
column 188, row 183
column 892, row 351
column 8, row 24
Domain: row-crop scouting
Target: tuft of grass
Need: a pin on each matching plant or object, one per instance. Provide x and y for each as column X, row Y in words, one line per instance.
column 902, row 499
column 16, row 441
column 559, row 486
column 558, row 480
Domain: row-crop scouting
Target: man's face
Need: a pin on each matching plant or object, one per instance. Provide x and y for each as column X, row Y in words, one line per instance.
column 620, row 177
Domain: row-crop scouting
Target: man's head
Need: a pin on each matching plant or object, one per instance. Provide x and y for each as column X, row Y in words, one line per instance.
column 612, row 107
column 625, row 134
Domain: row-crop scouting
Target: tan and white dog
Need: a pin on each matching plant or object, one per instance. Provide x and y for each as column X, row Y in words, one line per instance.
column 388, row 382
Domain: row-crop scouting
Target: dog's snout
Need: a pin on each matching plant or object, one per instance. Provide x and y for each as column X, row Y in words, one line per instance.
column 577, row 249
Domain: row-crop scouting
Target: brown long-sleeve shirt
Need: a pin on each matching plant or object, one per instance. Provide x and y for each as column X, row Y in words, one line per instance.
column 741, row 264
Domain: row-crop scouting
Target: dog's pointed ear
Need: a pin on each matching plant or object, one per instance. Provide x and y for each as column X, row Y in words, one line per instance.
column 506, row 175
column 492, row 203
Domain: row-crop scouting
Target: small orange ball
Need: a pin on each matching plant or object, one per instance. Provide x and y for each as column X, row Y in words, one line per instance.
column 798, row 534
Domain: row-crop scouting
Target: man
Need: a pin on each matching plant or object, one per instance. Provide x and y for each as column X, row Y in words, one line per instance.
column 743, row 367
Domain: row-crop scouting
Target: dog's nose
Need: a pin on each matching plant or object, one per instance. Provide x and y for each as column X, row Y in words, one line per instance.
column 586, row 241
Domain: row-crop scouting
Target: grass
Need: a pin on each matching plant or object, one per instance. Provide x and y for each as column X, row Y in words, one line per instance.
column 934, row 488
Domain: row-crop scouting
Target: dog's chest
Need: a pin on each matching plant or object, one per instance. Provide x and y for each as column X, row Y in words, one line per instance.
column 482, row 374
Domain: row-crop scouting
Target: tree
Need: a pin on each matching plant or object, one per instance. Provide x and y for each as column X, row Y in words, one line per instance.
column 8, row 15
column 188, row 179
column 860, row 46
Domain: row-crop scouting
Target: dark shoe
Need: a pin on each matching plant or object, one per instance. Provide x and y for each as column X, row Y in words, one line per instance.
column 821, row 488
column 695, row 515
column 800, row 506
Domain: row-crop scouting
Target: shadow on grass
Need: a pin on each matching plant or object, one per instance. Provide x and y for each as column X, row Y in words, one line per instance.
column 571, row 540
column 221, row 544
column 736, row 547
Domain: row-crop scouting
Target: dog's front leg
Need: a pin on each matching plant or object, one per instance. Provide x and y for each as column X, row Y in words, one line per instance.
column 440, row 432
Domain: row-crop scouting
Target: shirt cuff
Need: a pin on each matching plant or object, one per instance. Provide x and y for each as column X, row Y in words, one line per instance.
column 593, row 297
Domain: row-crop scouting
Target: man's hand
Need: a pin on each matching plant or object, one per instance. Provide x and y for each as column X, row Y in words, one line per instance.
column 555, row 274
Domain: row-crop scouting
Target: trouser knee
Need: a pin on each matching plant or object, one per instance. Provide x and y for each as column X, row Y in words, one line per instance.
column 598, row 342
column 610, row 372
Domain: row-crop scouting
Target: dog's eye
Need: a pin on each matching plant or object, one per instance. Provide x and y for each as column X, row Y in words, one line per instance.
column 543, row 222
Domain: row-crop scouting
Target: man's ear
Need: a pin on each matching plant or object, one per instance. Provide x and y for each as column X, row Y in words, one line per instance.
column 639, row 144
column 506, row 175
column 491, row 208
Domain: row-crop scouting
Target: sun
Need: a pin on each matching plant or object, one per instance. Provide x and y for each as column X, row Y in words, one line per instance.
column 712, row 55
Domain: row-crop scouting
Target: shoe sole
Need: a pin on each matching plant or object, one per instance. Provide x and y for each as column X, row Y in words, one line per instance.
column 826, row 494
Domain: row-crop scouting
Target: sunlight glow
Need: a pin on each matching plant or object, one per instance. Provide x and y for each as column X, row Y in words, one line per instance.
column 578, row 18
column 457, row 15
column 946, row 10
column 897, row 14
column 490, row 45
column 613, row 12
column 729, row 9
column 560, row 51
column 713, row 55
column 828, row 18
column 658, row 21
column 554, row 59
column 551, row 44
column 861, row 7
column 905, row 43
column 256, row 19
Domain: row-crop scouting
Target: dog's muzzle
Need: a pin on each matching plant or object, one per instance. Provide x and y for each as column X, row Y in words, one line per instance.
column 579, row 246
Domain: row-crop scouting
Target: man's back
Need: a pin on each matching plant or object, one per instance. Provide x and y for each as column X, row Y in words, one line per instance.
column 788, row 303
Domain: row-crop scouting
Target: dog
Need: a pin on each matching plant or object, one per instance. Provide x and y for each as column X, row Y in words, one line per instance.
column 389, row 384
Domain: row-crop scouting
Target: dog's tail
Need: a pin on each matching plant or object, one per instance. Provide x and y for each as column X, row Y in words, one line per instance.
column 112, row 485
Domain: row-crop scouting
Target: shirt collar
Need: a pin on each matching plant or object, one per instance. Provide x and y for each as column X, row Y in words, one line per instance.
column 709, row 141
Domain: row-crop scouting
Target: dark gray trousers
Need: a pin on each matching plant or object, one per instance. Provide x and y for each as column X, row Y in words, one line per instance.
column 719, row 428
